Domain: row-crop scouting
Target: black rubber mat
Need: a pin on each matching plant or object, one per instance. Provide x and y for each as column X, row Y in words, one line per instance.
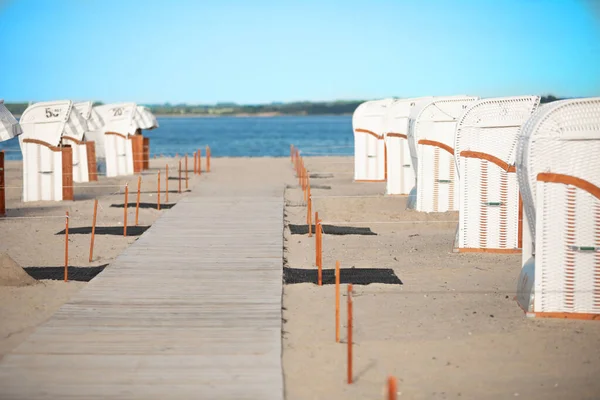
column 80, row 274
column 355, row 276
column 107, row 230
column 145, row 205
column 332, row 230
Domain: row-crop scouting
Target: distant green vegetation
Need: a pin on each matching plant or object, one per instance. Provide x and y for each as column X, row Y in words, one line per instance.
column 225, row 109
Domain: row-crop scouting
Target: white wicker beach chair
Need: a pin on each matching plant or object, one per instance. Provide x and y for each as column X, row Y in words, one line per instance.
column 490, row 211
column 400, row 172
column 431, row 142
column 44, row 125
column 9, row 127
column 368, row 123
column 119, row 125
column 558, row 168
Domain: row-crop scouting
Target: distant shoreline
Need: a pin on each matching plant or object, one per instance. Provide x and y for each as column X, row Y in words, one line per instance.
column 246, row 115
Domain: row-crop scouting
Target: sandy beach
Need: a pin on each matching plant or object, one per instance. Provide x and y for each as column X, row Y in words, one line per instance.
column 30, row 236
column 451, row 330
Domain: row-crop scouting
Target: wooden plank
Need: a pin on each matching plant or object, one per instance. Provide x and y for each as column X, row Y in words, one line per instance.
column 191, row 310
column 67, row 172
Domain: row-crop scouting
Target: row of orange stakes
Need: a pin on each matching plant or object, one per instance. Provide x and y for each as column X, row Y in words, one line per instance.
column 197, row 171
column 304, row 182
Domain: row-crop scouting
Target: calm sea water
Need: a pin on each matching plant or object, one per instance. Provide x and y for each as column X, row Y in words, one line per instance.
column 243, row 136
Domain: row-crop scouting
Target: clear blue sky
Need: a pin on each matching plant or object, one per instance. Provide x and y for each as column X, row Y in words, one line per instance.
column 246, row 51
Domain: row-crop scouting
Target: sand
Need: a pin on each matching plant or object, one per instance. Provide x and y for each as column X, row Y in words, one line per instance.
column 452, row 330
column 29, row 236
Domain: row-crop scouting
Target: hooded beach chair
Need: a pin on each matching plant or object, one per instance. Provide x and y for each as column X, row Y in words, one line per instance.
column 47, row 161
column 558, row 168
column 368, row 123
column 119, row 127
column 9, row 127
column 400, row 173
column 431, row 143
column 94, row 138
column 490, row 211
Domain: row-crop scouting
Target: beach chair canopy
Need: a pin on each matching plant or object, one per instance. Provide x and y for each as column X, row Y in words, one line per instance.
column 49, row 121
column 9, row 127
column 561, row 138
column 371, row 115
column 398, row 114
column 118, row 117
column 435, row 120
column 491, row 127
column 144, row 119
column 90, row 114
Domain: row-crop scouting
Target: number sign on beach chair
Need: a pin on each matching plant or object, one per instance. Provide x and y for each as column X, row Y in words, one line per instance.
column 431, row 141
column 47, row 162
column 119, row 126
column 400, row 172
column 558, row 169
column 485, row 147
column 369, row 145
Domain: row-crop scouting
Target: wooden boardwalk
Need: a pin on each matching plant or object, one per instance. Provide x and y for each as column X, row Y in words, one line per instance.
column 192, row 310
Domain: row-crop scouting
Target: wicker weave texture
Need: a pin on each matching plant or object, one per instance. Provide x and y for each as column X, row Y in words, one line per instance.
column 485, row 147
column 559, row 176
column 437, row 178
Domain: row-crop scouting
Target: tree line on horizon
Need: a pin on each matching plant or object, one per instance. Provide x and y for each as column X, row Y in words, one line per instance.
column 225, row 109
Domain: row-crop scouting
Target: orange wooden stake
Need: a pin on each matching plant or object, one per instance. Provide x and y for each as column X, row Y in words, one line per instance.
column 158, row 193
column 137, row 202
column 392, row 388
column 125, row 210
column 349, row 333
column 317, row 238
column 2, row 184
column 186, row 171
column 179, row 176
column 320, row 266
column 199, row 162
column 167, row 184
column 66, row 246
column 337, row 301
column 195, row 163
column 309, row 216
column 93, row 229
column 207, row 159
